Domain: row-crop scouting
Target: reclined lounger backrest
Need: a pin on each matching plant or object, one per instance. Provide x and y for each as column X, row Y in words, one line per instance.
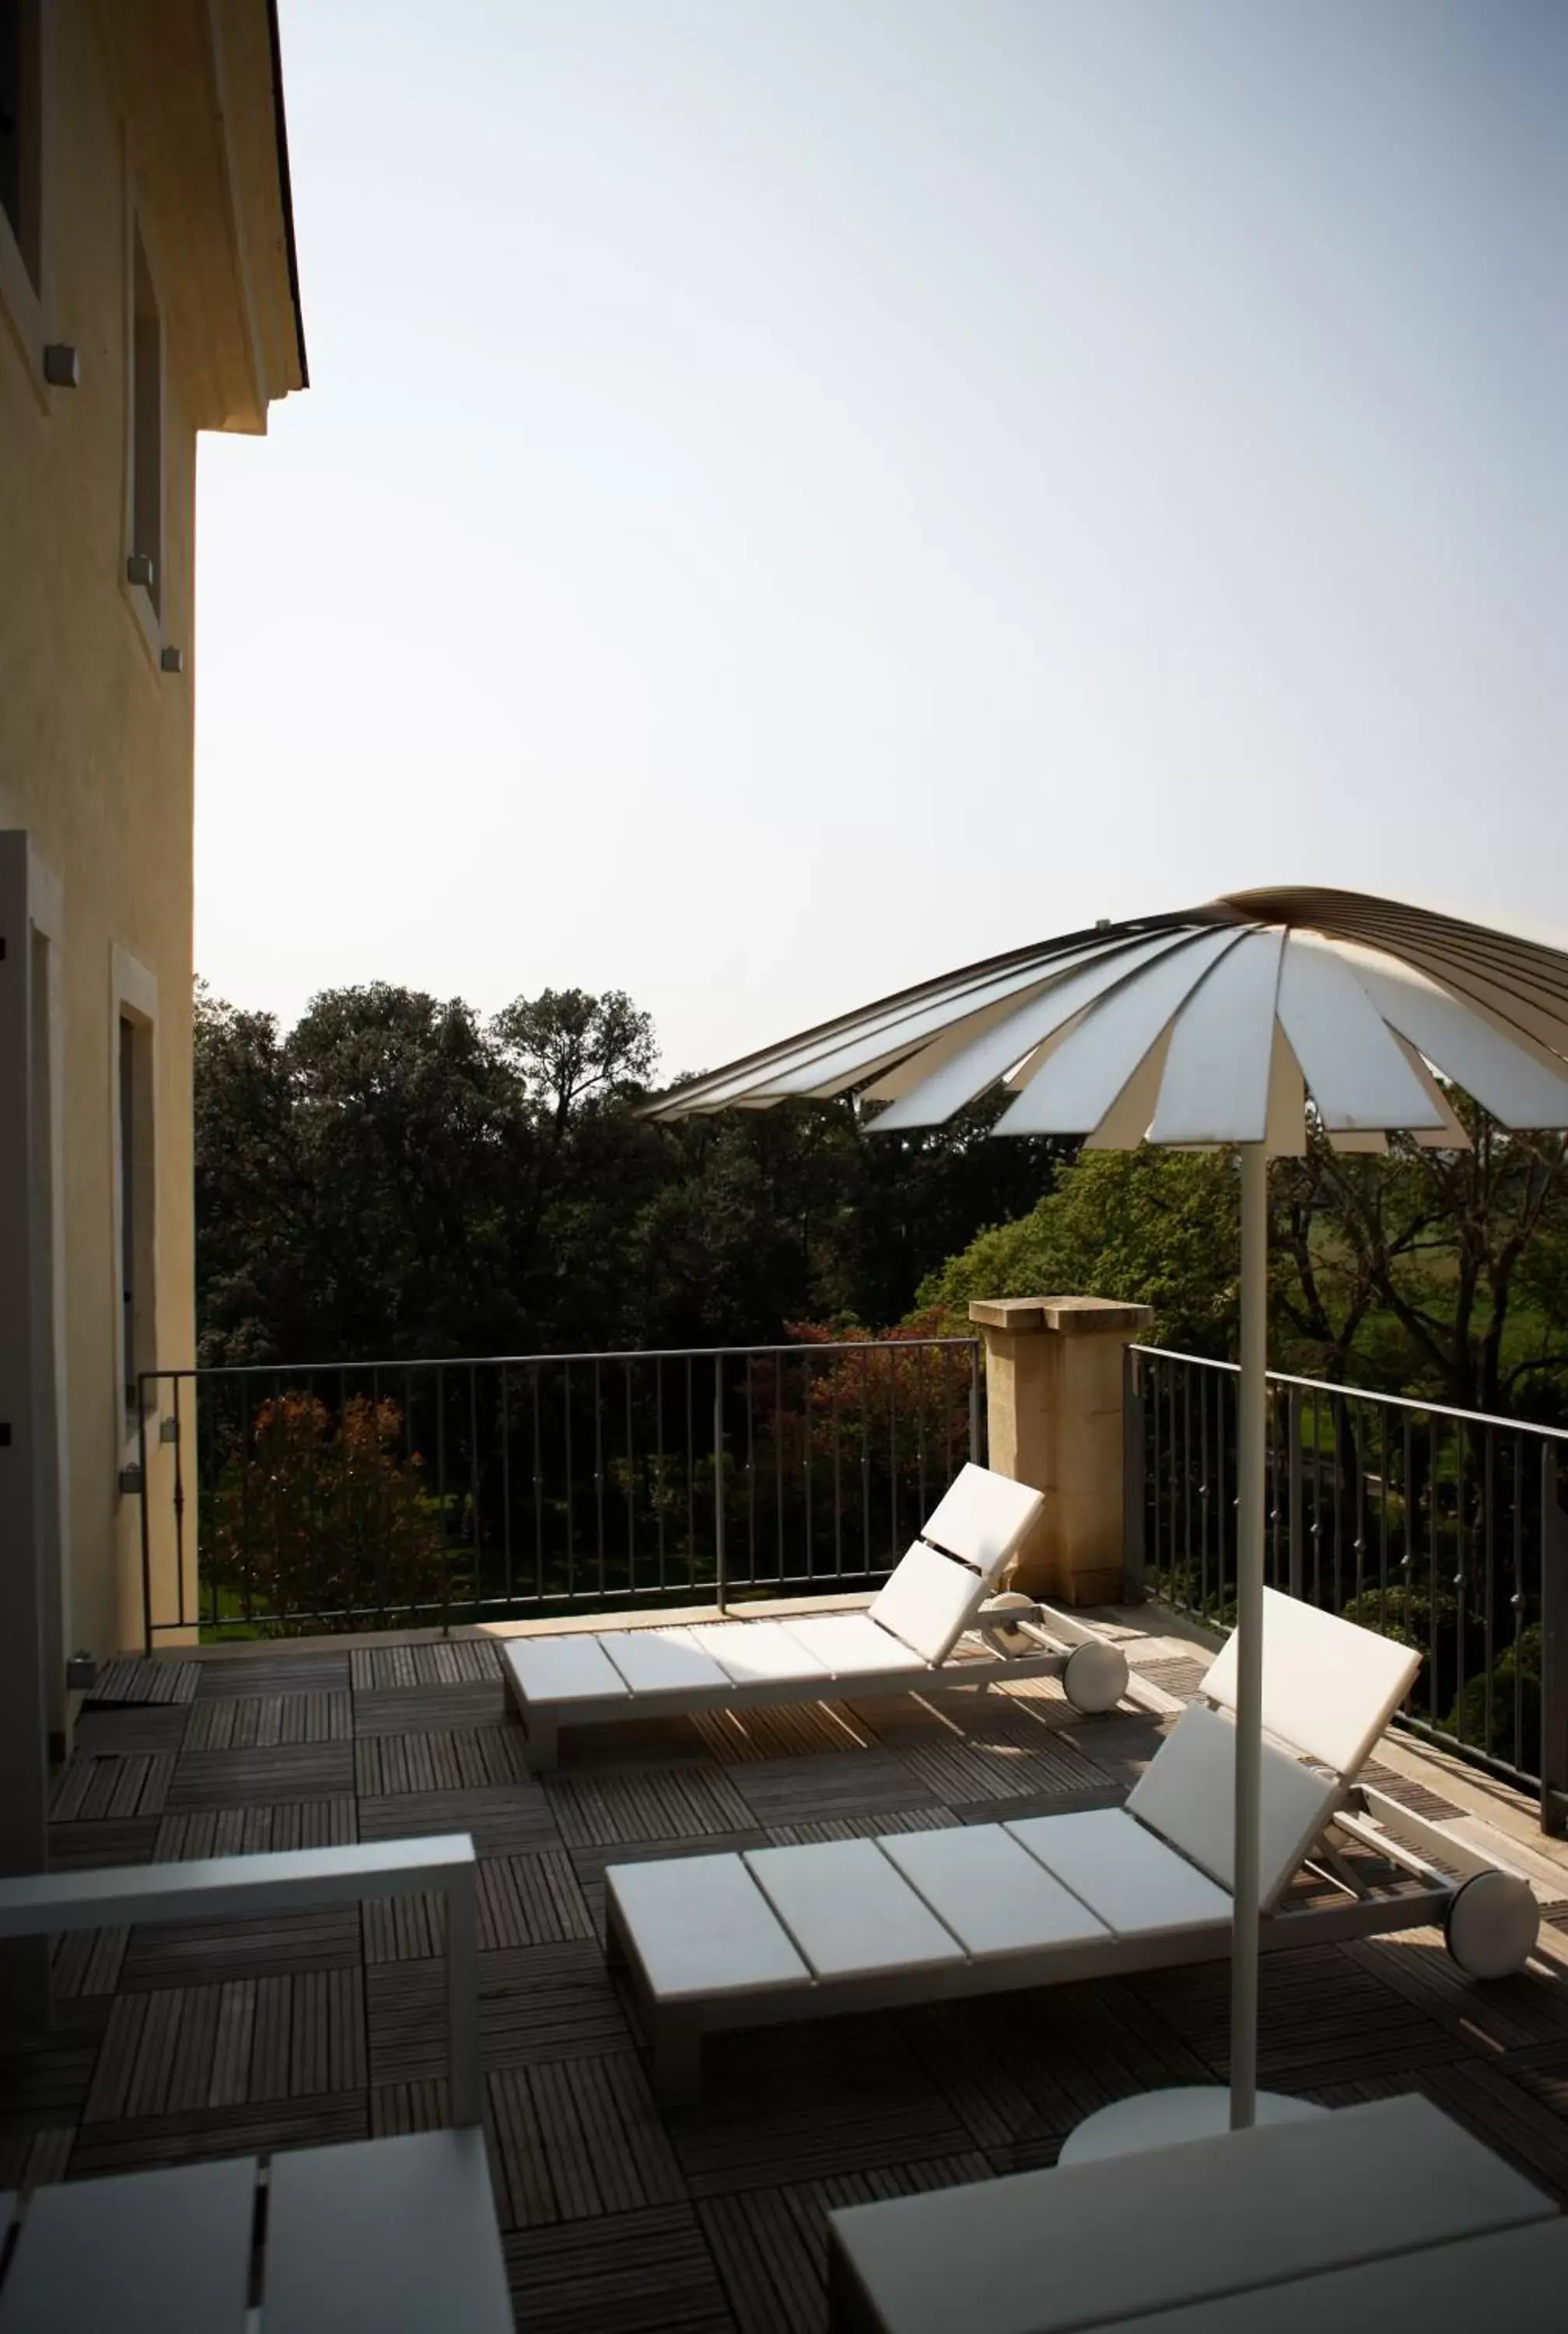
column 981, row 1519
column 1329, row 1687
column 940, row 1585
column 1187, row 1794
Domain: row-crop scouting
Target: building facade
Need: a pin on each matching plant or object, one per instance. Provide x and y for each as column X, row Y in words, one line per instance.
column 148, row 291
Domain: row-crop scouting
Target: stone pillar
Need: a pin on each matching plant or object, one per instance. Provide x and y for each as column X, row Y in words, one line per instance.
column 1053, row 1412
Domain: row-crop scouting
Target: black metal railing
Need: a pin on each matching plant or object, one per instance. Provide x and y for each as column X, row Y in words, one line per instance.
column 363, row 1496
column 1439, row 1526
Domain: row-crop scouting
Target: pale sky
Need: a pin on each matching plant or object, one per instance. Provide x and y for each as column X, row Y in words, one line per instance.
column 800, row 494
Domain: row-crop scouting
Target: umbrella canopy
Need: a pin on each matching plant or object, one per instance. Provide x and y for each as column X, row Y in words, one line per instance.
column 1209, row 1025
column 1214, row 1024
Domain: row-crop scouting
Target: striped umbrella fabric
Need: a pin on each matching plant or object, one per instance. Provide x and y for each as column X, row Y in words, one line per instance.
column 1209, row 1025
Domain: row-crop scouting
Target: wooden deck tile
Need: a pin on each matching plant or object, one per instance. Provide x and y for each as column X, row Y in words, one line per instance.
column 503, row 1819
column 1509, row 2014
column 133, row 1680
column 244, row 2130
column 1417, row 1796
column 256, row 1721
column 46, row 2079
column 285, row 1770
column 397, row 2108
column 1038, row 1803
column 439, row 1759
column 800, row 1730
column 680, row 1803
column 280, row 1672
column 259, row 1945
column 285, row 2036
column 771, row 2243
column 632, row 1746
column 957, row 1770
column 786, row 2104
column 87, row 1962
column 536, row 2003
column 404, row 1928
column 128, row 1841
column 94, row 1787
column 531, row 1900
column 144, row 1726
column 805, row 1790
column 635, row 2273
column 255, row 1830
column 461, row 1660
column 1019, row 2067
column 580, row 2137
column 1178, row 1674
column 868, row 1827
column 1324, row 2019
column 430, row 1709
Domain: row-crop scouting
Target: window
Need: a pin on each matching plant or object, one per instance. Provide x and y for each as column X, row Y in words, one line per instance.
column 146, row 430
column 21, row 126
column 134, row 1196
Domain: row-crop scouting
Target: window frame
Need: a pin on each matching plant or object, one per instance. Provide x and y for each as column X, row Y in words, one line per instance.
column 25, row 280
column 133, row 1001
column 150, row 609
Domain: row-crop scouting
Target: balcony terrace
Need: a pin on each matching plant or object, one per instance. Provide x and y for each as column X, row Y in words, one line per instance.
column 201, row 2040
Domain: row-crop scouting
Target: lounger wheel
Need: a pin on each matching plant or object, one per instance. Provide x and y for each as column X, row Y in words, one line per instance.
column 1492, row 1925
column 1095, row 1677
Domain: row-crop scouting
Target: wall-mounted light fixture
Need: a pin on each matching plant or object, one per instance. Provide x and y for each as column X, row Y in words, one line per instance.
column 172, row 660
column 139, row 569
column 62, row 365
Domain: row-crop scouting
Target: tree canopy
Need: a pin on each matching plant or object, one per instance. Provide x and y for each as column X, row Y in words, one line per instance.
column 397, row 1177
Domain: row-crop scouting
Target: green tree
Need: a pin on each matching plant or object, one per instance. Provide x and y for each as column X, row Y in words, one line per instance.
column 571, row 1049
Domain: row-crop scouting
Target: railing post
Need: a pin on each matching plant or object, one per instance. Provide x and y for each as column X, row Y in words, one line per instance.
column 721, row 1591
column 1297, row 1549
column 975, row 1403
column 1134, row 1462
column 1554, row 1651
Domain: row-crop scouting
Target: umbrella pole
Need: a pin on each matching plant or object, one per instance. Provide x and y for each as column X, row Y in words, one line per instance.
column 1251, row 1468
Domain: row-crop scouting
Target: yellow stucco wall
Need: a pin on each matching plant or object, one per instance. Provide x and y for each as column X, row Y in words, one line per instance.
column 96, row 747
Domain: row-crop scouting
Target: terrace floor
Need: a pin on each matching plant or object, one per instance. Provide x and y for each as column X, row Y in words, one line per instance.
column 191, row 2041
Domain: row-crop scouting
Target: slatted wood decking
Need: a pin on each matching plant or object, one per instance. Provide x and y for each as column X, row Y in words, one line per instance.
column 192, row 2041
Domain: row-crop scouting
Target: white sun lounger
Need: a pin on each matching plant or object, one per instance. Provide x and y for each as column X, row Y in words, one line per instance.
column 781, row 1933
column 931, row 1625
column 1387, row 2215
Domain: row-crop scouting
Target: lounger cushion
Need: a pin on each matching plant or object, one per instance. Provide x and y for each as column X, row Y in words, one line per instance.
column 1328, row 1687
column 663, row 1660
column 994, row 1895
column 1137, row 1886
column 850, row 1911
column 702, row 1927
column 757, row 1652
column 929, row 1602
column 1187, row 1795
column 982, row 1518
column 397, row 2233
column 852, row 1645
column 563, row 1669
column 1444, row 2285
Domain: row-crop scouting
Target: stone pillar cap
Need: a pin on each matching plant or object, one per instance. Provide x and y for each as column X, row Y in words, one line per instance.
column 1069, row 1317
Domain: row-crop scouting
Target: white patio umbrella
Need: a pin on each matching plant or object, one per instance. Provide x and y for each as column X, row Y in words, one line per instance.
column 1211, row 1025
